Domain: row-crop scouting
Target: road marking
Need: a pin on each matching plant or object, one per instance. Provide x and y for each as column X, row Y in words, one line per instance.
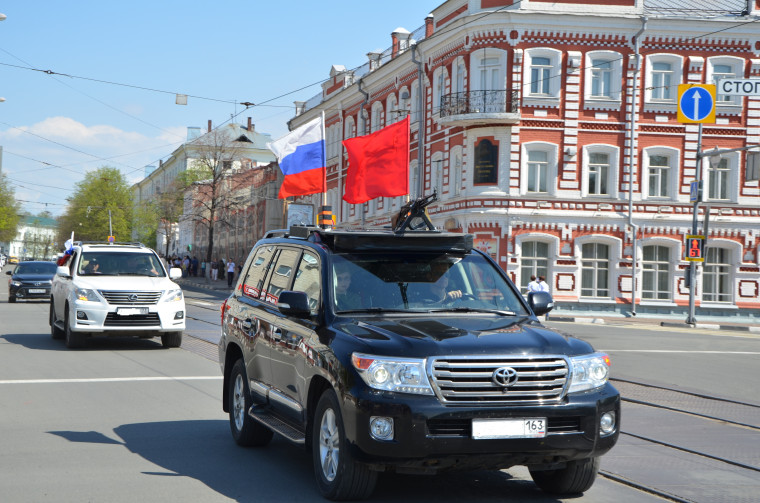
column 681, row 351
column 110, row 379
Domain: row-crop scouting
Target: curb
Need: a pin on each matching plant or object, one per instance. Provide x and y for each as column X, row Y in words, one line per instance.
column 671, row 324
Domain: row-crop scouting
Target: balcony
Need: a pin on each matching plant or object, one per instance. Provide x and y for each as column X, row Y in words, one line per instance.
column 479, row 108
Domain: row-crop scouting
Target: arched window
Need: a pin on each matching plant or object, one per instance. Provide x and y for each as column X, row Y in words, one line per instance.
column 655, row 284
column 716, row 278
column 535, row 261
column 595, row 270
column 486, row 166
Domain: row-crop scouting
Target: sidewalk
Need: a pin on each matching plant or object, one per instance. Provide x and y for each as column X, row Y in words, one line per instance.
column 205, row 283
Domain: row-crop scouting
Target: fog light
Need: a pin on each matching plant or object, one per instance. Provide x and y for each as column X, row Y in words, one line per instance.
column 607, row 423
column 81, row 315
column 381, row 428
column 179, row 315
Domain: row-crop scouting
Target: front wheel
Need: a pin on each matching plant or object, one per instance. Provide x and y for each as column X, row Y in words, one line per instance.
column 245, row 431
column 11, row 299
column 339, row 477
column 171, row 339
column 55, row 332
column 577, row 477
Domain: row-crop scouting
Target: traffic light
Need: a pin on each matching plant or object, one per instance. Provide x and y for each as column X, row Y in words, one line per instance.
column 695, row 246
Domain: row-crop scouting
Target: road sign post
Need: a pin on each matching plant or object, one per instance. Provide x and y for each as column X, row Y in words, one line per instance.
column 696, row 105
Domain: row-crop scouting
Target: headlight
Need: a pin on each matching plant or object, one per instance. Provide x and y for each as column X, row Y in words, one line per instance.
column 402, row 375
column 588, row 372
column 173, row 296
column 15, row 283
column 86, row 294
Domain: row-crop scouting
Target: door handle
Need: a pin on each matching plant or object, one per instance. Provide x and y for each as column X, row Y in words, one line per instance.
column 247, row 325
column 276, row 333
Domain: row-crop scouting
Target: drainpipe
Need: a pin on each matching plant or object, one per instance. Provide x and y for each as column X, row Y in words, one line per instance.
column 364, row 132
column 421, row 119
column 632, row 164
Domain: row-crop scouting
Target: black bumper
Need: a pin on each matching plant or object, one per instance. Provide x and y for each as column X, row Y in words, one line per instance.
column 429, row 437
column 22, row 292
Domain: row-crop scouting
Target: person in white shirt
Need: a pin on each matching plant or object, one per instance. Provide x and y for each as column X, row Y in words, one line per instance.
column 543, row 285
column 533, row 286
column 230, row 271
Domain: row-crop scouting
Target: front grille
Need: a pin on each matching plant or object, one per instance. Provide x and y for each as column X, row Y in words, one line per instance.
column 463, row 427
column 468, row 380
column 135, row 320
column 137, row 298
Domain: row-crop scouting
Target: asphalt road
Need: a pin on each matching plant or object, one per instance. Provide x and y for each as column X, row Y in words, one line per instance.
column 126, row 420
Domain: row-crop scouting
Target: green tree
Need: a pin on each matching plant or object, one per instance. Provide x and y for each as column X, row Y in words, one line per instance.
column 9, row 211
column 87, row 214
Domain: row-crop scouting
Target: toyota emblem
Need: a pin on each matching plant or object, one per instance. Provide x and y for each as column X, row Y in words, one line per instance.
column 504, row 376
column 132, row 297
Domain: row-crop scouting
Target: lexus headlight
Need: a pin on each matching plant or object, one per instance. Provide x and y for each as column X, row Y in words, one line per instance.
column 86, row 294
column 588, row 372
column 173, row 296
column 402, row 375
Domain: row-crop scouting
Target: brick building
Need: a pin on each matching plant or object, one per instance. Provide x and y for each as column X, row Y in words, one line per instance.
column 549, row 131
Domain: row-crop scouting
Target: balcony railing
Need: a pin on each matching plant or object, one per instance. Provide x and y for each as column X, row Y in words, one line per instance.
column 479, row 102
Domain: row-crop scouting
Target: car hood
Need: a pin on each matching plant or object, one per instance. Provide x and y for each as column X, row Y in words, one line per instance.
column 458, row 335
column 126, row 283
column 32, row 277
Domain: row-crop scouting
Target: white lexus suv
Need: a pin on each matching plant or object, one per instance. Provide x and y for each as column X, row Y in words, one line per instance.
column 116, row 289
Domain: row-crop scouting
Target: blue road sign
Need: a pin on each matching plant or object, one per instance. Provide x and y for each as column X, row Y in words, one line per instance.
column 696, row 103
column 695, row 192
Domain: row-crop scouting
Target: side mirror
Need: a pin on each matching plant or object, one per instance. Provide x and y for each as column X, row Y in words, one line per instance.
column 9, row 273
column 540, row 302
column 175, row 273
column 63, row 271
column 294, row 304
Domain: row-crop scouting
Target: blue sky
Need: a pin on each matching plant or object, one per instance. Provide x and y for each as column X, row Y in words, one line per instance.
column 123, row 62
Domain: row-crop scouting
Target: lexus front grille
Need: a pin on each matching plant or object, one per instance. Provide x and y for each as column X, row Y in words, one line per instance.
column 128, row 298
column 473, row 380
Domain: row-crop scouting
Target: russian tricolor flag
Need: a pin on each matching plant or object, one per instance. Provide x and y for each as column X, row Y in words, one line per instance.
column 301, row 155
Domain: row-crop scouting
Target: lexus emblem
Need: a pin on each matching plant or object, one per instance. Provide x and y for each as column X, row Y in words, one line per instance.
column 504, row 377
column 132, row 297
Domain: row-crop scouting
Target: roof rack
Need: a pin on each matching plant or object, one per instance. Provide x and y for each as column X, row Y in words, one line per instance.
column 106, row 243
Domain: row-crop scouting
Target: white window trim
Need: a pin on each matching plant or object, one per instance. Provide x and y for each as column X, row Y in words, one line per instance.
column 616, row 62
column 437, row 166
column 392, row 107
column 376, row 123
column 733, row 160
column 552, row 150
column 612, row 175
column 456, row 185
column 437, row 91
column 662, row 105
column 414, row 96
column 674, row 155
column 675, row 246
column 555, row 82
column 616, row 247
column 349, row 128
column 529, row 237
column 734, row 106
column 455, row 67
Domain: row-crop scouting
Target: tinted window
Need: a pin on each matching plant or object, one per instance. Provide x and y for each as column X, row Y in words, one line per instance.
column 308, row 279
column 281, row 278
column 43, row 268
column 256, row 274
column 99, row 263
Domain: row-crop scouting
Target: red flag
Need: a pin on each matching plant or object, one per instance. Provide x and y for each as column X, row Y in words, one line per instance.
column 378, row 164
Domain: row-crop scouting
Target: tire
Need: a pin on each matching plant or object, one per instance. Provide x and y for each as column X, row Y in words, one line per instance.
column 74, row 339
column 338, row 476
column 55, row 332
column 245, row 431
column 11, row 299
column 171, row 339
column 577, row 477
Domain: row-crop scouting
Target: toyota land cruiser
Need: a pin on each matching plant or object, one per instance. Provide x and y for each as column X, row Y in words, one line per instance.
column 407, row 350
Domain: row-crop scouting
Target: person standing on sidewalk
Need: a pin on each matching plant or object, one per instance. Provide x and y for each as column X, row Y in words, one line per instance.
column 214, row 270
column 230, row 272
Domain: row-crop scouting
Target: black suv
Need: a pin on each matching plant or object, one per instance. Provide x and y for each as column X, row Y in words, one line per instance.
column 407, row 350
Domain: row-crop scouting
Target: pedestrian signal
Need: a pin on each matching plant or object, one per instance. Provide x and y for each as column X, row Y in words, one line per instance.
column 695, row 246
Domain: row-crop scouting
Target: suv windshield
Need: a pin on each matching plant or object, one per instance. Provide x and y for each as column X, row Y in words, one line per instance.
column 120, row 264
column 420, row 282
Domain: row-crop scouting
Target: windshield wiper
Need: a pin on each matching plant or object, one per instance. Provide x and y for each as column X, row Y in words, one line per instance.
column 500, row 312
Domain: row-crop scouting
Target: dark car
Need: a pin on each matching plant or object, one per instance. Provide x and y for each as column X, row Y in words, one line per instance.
column 31, row 280
column 409, row 351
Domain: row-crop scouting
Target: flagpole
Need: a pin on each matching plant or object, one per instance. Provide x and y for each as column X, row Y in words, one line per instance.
column 324, row 161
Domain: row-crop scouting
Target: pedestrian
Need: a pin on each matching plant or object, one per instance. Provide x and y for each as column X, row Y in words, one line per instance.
column 543, row 285
column 534, row 285
column 230, row 272
column 194, row 266
column 214, row 270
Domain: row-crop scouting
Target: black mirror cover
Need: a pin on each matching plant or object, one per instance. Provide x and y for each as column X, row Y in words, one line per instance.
column 540, row 302
column 294, row 304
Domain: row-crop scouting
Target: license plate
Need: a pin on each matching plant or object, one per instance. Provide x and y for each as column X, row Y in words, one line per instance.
column 534, row 427
column 36, row 290
column 129, row 311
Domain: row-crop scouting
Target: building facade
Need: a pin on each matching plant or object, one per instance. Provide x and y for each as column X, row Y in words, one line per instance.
column 549, row 130
column 35, row 240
